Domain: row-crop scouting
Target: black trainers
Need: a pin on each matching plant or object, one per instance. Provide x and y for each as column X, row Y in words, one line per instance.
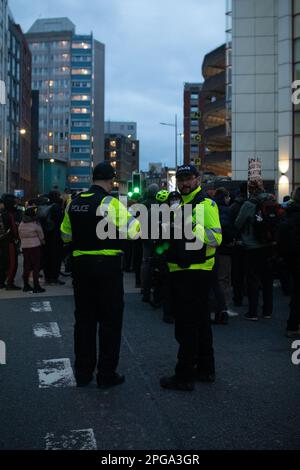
column 38, row 290
column 27, row 288
column 205, row 377
column 12, row 287
column 221, row 318
column 107, row 382
column 249, row 316
column 173, row 383
column 82, row 380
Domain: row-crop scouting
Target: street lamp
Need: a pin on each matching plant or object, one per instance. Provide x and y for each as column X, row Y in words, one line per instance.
column 175, row 126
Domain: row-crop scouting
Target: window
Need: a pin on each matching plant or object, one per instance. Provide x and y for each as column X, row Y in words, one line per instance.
column 79, row 110
column 81, row 45
column 81, row 97
column 78, row 179
column 297, row 50
column 296, row 6
column 80, row 150
column 297, row 123
column 82, row 71
column 194, row 96
column 80, row 137
column 80, row 163
column 297, row 172
column 297, row 147
column 81, row 84
column 80, row 123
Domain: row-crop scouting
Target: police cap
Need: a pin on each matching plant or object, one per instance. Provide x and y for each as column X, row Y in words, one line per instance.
column 103, row 171
column 186, row 170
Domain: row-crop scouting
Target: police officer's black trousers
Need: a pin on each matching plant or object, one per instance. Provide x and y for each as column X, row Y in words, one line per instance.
column 189, row 292
column 98, row 292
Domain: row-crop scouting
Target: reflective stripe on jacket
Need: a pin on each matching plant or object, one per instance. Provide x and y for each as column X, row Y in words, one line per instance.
column 209, row 233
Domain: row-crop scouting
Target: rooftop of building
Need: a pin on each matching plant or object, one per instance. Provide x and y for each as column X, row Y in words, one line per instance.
column 49, row 25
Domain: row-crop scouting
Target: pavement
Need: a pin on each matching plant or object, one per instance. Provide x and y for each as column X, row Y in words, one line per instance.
column 254, row 403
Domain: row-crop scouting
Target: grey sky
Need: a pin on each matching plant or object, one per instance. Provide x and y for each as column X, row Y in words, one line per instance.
column 152, row 48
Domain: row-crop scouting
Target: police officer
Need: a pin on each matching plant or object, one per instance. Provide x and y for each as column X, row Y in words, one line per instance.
column 190, row 282
column 97, row 276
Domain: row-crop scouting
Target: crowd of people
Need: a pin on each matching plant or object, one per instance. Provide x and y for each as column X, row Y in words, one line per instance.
column 33, row 229
column 260, row 244
column 249, row 239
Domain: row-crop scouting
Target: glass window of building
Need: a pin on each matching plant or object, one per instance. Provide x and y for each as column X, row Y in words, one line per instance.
column 81, row 97
column 83, row 71
column 80, row 163
column 79, row 110
column 81, row 45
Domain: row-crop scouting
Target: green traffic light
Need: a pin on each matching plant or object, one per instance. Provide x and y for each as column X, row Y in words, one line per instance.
column 130, row 194
column 136, row 190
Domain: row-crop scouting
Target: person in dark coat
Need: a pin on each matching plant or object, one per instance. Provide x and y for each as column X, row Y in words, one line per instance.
column 289, row 248
column 53, row 250
column 222, row 269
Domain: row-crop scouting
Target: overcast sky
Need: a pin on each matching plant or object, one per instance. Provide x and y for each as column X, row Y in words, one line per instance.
column 152, row 48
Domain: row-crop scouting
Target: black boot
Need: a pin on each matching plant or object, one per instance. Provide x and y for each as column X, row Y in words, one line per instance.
column 38, row 289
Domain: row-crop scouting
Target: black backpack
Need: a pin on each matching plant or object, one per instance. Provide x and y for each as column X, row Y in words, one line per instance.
column 268, row 214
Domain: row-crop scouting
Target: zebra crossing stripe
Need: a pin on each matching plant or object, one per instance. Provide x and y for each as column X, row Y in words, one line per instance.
column 41, row 306
column 46, row 330
column 55, row 373
column 78, row 439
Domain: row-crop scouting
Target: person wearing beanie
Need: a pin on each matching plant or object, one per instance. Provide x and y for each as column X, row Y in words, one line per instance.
column 93, row 222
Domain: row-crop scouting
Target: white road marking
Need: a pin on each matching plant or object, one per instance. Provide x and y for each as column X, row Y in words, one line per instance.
column 55, row 373
column 78, row 439
column 41, row 306
column 46, row 330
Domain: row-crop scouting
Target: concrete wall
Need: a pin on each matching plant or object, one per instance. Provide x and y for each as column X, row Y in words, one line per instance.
column 254, row 86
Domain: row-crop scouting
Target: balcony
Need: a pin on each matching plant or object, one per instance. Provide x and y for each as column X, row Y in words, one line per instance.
column 214, row 84
column 216, row 139
column 214, row 62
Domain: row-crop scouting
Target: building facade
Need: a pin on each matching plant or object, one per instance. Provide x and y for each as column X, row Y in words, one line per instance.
column 68, row 71
column 3, row 97
column 18, row 110
column 217, row 139
column 127, row 128
column 123, row 154
column 265, row 61
column 193, row 144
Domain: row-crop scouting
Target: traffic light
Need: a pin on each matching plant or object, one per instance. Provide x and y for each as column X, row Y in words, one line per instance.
column 136, row 183
column 129, row 188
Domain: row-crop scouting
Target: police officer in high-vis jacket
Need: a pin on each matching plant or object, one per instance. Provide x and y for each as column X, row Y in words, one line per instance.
column 190, row 282
column 93, row 223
